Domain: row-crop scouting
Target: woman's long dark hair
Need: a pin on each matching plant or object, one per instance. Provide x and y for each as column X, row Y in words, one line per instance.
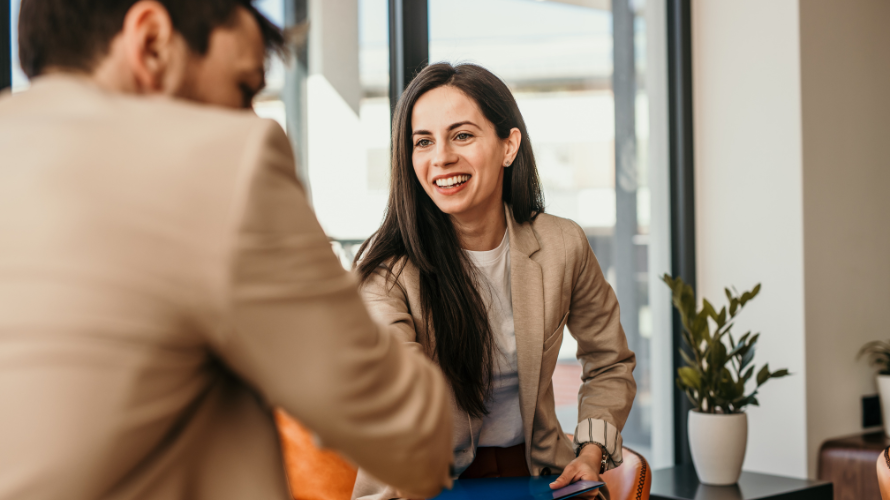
column 415, row 229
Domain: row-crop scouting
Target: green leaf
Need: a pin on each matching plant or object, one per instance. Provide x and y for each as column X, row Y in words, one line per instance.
column 745, row 298
column 763, row 374
column 733, row 306
column 753, row 340
column 755, row 291
column 747, row 358
column 708, row 309
column 717, row 358
column 737, row 349
column 687, row 358
column 689, row 377
column 780, row 373
column 721, row 318
column 698, row 326
column 748, row 374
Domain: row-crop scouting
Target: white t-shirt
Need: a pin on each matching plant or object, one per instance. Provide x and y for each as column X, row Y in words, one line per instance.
column 502, row 427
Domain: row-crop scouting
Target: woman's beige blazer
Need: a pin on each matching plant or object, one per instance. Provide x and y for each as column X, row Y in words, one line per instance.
column 556, row 282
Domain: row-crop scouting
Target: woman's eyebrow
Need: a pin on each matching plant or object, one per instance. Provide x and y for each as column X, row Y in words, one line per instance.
column 451, row 127
column 461, row 124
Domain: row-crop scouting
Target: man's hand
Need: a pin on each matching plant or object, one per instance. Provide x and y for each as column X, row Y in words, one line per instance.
column 586, row 466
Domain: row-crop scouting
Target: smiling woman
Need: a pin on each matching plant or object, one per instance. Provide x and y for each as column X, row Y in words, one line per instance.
column 459, row 159
column 469, row 267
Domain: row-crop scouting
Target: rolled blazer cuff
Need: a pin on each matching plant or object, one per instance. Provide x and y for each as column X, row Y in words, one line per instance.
column 604, row 434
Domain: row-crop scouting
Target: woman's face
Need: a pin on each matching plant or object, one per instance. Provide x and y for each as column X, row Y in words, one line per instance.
column 457, row 155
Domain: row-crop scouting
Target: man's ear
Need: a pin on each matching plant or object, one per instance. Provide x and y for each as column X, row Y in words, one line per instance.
column 151, row 46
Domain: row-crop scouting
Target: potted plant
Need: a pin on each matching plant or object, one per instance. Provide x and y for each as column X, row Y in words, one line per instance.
column 878, row 353
column 718, row 369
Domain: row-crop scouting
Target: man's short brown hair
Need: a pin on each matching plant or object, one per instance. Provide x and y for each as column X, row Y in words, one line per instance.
column 76, row 34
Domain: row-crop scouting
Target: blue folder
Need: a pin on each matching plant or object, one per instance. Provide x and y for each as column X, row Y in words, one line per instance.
column 514, row 488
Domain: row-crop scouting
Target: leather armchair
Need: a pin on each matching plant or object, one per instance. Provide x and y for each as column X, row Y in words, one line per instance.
column 632, row 479
column 883, row 465
column 313, row 474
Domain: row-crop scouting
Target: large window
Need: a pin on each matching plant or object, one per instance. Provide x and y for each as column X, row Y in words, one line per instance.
column 589, row 77
column 562, row 60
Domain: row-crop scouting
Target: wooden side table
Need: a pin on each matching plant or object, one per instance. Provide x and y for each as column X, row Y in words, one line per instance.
column 849, row 463
column 681, row 483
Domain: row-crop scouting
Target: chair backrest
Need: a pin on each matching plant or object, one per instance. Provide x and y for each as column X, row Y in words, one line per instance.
column 631, row 480
column 313, row 474
column 884, row 473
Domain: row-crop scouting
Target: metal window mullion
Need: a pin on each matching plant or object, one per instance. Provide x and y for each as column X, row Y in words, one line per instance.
column 408, row 43
column 679, row 19
column 5, row 44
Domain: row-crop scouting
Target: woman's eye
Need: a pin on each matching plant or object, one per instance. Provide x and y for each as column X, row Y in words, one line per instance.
column 463, row 136
column 423, row 143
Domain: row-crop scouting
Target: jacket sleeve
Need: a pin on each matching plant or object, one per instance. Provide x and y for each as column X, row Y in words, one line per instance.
column 388, row 305
column 302, row 337
column 608, row 387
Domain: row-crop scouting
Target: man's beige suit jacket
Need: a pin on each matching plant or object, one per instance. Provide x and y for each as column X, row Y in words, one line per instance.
column 163, row 284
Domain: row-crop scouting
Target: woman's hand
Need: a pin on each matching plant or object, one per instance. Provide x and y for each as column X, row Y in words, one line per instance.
column 586, row 466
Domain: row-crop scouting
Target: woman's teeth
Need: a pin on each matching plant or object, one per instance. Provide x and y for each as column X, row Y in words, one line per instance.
column 452, row 181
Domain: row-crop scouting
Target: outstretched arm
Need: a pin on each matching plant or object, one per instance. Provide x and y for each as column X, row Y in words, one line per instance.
column 302, row 336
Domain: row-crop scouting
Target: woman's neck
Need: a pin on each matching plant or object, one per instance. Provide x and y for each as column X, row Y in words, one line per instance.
column 482, row 233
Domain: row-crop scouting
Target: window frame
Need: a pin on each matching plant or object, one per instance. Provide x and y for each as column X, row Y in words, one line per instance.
column 5, row 44
column 409, row 27
column 682, row 169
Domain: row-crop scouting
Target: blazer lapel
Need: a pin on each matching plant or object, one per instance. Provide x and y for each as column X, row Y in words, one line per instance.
column 527, row 287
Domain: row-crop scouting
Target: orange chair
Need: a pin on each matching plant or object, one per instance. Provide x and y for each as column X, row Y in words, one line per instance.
column 884, row 473
column 313, row 474
column 316, row 474
column 631, row 480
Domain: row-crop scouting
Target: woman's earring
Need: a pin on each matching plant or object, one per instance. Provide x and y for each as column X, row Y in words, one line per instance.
column 507, row 164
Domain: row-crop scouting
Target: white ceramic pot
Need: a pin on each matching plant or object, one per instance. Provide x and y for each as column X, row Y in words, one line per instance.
column 718, row 443
column 884, row 391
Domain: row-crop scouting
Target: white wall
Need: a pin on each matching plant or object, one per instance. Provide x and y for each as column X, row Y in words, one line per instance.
column 846, row 152
column 749, row 208
column 792, row 138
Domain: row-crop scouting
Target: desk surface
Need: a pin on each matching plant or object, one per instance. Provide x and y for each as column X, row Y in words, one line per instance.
column 681, row 483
